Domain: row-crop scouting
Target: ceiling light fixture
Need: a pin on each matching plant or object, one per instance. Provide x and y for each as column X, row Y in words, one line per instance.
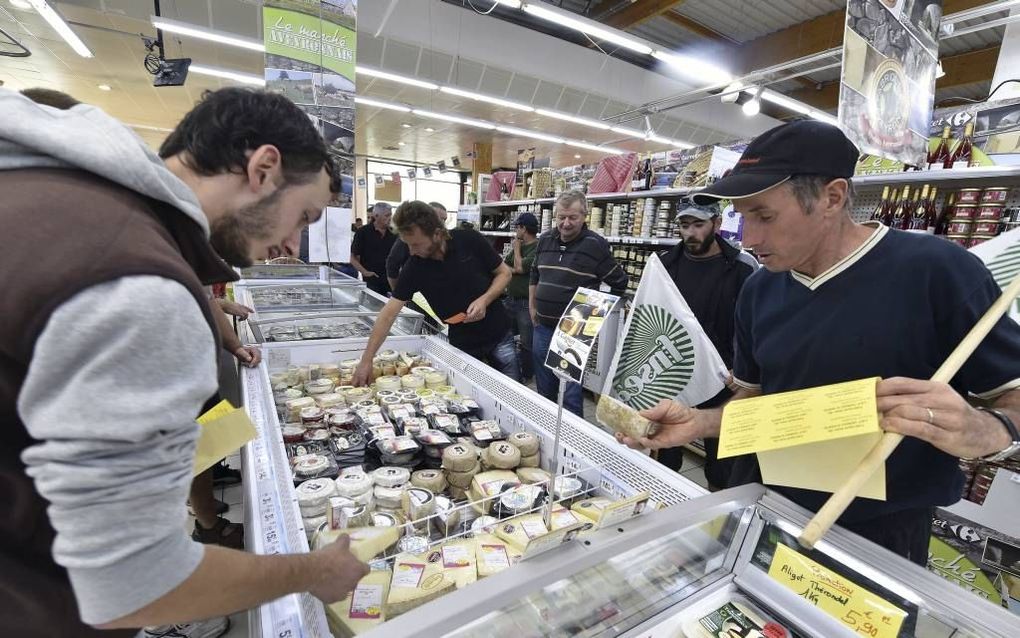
column 572, row 118
column 787, row 103
column 382, row 105
column 576, row 156
column 50, row 15
column 520, row 132
column 595, row 147
column 376, row 73
column 226, row 74
column 633, row 132
column 429, row 129
column 401, row 143
column 513, row 4
column 405, row 125
column 752, row 107
column 669, row 142
column 453, row 118
column 485, row 98
column 195, row 31
column 823, row 117
column 564, row 19
column 104, row 87
column 695, row 67
column 24, row 5
column 939, row 71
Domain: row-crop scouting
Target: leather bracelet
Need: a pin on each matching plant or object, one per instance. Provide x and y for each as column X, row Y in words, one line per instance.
column 1011, row 429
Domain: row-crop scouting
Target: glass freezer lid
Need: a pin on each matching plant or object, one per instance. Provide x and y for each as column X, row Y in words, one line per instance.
column 326, row 326
column 307, row 297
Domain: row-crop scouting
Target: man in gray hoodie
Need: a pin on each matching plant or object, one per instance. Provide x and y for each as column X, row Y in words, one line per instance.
column 99, row 241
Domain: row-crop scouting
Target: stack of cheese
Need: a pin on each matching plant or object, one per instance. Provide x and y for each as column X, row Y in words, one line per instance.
column 312, row 496
column 460, row 463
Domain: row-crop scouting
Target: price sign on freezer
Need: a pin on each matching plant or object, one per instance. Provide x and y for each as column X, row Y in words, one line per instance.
column 860, row 610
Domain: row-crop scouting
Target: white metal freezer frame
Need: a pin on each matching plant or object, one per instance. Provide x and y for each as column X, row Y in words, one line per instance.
column 273, row 520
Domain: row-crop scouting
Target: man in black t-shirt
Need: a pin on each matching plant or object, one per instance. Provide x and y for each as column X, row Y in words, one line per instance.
column 372, row 244
column 839, row 301
column 709, row 272
column 461, row 276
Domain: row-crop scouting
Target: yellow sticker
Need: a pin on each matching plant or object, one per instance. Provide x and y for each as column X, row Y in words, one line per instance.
column 224, row 429
column 787, row 419
column 860, row 610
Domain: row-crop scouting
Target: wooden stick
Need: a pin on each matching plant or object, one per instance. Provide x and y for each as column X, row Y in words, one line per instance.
column 841, row 498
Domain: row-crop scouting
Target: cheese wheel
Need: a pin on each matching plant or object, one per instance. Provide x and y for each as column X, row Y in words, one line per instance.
column 367, row 499
column 389, row 497
column 389, row 476
column 354, row 484
column 422, row 371
column 460, row 457
column 526, row 442
column 312, row 511
column 309, row 464
column 463, row 479
column 503, row 455
column 417, row 503
column 433, row 480
column 458, row 493
column 313, row 493
column 531, row 461
column 312, row 523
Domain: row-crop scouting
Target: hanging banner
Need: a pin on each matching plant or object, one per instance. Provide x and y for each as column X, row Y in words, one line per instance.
column 665, row 352
column 310, row 58
column 1002, row 256
column 887, row 87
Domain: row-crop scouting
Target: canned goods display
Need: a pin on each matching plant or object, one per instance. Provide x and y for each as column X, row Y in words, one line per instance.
column 965, row 211
column 978, row 239
column 968, row 195
column 996, row 194
column 963, row 240
column 985, row 228
column 959, row 227
column 989, row 212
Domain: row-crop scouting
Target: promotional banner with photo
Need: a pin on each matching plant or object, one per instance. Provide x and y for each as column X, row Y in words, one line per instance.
column 890, row 55
column 577, row 332
column 665, row 353
column 310, row 57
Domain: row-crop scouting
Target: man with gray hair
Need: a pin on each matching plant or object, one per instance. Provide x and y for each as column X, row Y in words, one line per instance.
column 371, row 246
column 568, row 257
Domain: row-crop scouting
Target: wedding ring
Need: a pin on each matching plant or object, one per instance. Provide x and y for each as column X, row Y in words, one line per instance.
column 931, row 416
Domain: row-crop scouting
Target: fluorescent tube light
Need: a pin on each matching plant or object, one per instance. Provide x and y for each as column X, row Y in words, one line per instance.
column 823, row 117
column 382, row 105
column 485, row 98
column 376, row 73
column 575, row 120
column 453, row 118
column 593, row 147
column 195, row 31
column 695, row 67
column 50, row 15
column 511, row 130
column 245, row 78
column 787, row 103
column 563, row 19
column 633, row 132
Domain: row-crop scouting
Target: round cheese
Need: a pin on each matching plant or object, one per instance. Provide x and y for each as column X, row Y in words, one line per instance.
column 533, row 475
column 526, row 442
column 389, row 497
column 531, row 461
column 503, row 455
column 310, row 464
column 391, row 476
column 433, row 480
column 354, row 484
column 460, row 457
column 312, row 511
column 463, row 479
column 315, row 492
column 417, row 503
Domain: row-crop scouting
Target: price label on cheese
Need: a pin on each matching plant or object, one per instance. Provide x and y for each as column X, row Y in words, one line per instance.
column 407, row 575
column 860, row 610
column 367, row 602
column 495, row 557
column 456, row 556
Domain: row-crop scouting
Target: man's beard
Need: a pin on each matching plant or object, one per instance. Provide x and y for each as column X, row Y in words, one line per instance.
column 698, row 248
column 231, row 233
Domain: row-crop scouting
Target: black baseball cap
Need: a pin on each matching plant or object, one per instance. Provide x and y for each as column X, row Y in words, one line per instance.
column 529, row 221
column 804, row 147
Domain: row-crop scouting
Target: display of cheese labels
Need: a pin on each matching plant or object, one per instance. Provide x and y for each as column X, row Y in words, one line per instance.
column 429, row 491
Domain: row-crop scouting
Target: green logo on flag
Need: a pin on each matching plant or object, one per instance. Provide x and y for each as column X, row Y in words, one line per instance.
column 656, row 360
column 1005, row 267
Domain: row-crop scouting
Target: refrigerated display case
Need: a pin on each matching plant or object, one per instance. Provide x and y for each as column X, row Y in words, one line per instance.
column 726, row 564
column 294, row 273
column 272, row 516
column 328, row 326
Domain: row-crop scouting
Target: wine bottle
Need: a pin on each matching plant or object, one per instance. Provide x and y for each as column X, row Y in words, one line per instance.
column 890, row 208
column 916, row 223
column 880, row 209
column 941, row 154
column 931, row 214
column 964, row 151
column 901, row 216
column 947, row 213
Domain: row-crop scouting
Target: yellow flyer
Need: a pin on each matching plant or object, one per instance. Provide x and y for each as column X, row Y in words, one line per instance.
column 788, row 419
column 224, row 430
column 860, row 610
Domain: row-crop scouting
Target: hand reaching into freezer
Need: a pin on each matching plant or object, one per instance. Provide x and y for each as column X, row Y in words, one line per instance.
column 339, row 570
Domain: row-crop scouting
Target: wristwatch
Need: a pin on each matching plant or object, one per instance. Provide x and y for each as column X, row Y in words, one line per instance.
column 1014, row 435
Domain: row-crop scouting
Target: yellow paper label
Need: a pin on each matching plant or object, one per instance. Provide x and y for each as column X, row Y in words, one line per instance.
column 787, row 419
column 224, row 430
column 223, row 408
column 857, row 608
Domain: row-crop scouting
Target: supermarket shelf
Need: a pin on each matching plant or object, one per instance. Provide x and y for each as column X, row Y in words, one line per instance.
column 663, row 192
column 959, row 177
column 613, row 239
column 518, row 202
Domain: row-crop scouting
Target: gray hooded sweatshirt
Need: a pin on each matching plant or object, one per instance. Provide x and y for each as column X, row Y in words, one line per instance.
column 115, row 381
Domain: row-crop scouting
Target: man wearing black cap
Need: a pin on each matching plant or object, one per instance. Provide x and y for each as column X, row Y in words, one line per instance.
column 709, row 272
column 520, row 259
column 839, row 301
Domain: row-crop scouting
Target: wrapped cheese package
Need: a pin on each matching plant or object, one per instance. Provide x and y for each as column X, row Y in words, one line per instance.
column 621, row 418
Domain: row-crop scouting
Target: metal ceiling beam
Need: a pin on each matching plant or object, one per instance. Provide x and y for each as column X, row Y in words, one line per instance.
column 697, row 28
column 637, row 12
